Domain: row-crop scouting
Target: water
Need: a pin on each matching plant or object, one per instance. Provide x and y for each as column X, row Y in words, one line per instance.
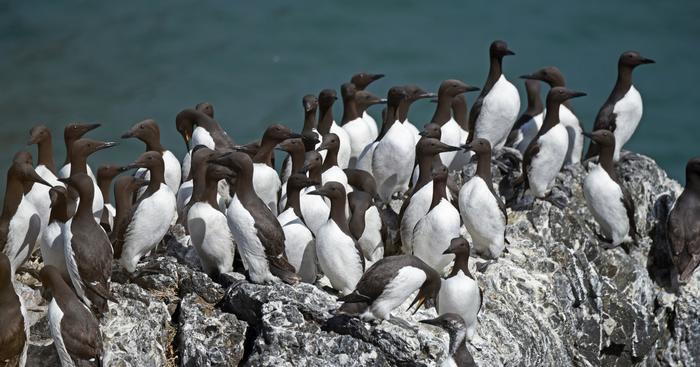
column 120, row 63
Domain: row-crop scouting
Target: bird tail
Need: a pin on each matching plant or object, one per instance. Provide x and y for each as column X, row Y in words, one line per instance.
column 281, row 268
column 353, row 308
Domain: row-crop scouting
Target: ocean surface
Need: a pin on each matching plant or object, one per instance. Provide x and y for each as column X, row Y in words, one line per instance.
column 119, row 63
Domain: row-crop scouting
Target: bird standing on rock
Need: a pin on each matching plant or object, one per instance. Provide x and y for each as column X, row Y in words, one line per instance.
column 361, row 82
column 46, row 169
column 14, row 334
column 71, row 133
column 458, row 354
column 530, row 122
column 299, row 243
column 326, row 124
column 82, row 149
column 683, row 228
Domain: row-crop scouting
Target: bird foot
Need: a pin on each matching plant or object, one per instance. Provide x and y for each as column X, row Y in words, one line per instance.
column 558, row 200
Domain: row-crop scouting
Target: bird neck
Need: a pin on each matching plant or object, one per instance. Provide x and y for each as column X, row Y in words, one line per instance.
column 325, row 120
column 46, row 154
column 265, row 152
column 244, row 182
column 157, row 177
column 153, row 144
column 534, row 104
column 297, row 158
column 309, row 121
column 199, row 183
column 84, row 207
column 331, row 159
column 495, row 72
column 350, row 111
column 483, row 167
column 551, row 118
column 623, row 82
column 403, row 110
column 439, row 192
column 315, row 173
column 14, row 191
column 338, row 214
column 425, row 164
column 78, row 163
column 389, row 120
column 103, row 183
column 605, row 159
column 357, row 222
column 443, row 111
column 459, row 111
column 461, row 264
column 293, row 201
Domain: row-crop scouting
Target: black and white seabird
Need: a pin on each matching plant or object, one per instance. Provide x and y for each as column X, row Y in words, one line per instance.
column 53, row 237
column 14, row 334
column 554, row 78
column 199, row 128
column 608, row 200
column 413, row 94
column 365, row 100
column 200, row 155
column 105, row 175
column 330, row 170
column 153, row 214
column 314, row 208
column 326, row 124
column 483, row 211
column 46, row 169
column 71, row 133
column 293, row 164
column 208, row 226
column 366, row 226
column 545, row 156
column 352, row 122
column 361, row 82
column 387, row 285
column 124, row 189
column 339, row 255
column 530, row 122
column 622, row 110
column 82, row 149
column 684, row 224
column 148, row 132
column 434, row 231
column 258, row 235
column 75, row 330
column 20, row 222
column 88, row 251
column 495, row 110
column 299, row 242
column 458, row 356
column 460, row 293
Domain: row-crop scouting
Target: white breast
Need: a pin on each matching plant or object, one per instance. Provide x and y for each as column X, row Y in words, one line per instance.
column 266, row 184
column 482, row 217
column 364, row 160
column 528, row 132
column 450, row 134
column 112, row 211
column 65, row 171
column 200, row 136
column 314, row 209
column 371, row 125
column 211, row 238
column 413, row 129
column 23, row 232
column 371, row 240
column 417, row 208
column 39, row 194
column 460, row 294
column 184, row 194
column 148, row 225
column 299, row 246
column 604, row 199
column 55, row 315
column 359, row 135
column 173, row 171
column 433, row 233
column 242, row 226
column 408, row 280
column 336, row 174
column 338, row 257
column 573, row 129
column 392, row 162
column 52, row 247
column 498, row 113
column 546, row 164
column 628, row 111
column 345, row 145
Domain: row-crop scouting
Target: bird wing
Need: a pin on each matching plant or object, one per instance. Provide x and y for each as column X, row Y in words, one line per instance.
column 532, row 150
column 473, row 114
column 85, row 344
column 630, row 209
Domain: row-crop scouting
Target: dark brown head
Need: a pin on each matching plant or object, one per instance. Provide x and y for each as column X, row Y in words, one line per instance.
column 146, row 130
column 347, row 91
column 458, row 246
column 238, row 162
column 559, row 95
column 692, row 175
column 395, row 96
column 312, row 160
column 217, row 172
column 23, row 170
column 85, row 147
column 332, row 190
column 550, row 75
column 82, row 183
column 38, row 134
column 148, row 160
column 295, row 145
column 479, row 146
column 431, row 130
column 362, row 80
column 310, row 103
column 602, row 137
column 365, row 99
column 299, row 181
column 499, row 49
column 76, row 130
column 330, row 142
column 452, row 87
column 633, row 59
column 414, row 93
column 431, row 147
column 185, row 124
column 206, row 108
column 278, row 133
column 326, row 98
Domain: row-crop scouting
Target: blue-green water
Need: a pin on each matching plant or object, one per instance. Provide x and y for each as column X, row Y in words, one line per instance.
column 118, row 63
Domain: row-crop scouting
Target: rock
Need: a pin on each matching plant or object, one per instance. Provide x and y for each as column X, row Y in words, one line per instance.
column 207, row 336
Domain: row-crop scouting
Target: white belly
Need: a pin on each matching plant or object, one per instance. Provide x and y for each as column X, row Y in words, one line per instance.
column 528, row 132
column 245, row 235
column 499, row 111
column 23, row 233
column 460, row 294
column 65, row 172
column 414, row 130
column 148, row 225
column 417, row 208
column 450, row 134
column 604, row 198
column 336, row 174
column 573, row 129
column 53, row 245
column 173, row 171
column 371, row 240
column 211, row 238
column 628, row 111
column 184, row 194
column 112, row 211
column 433, row 234
column 371, row 125
column 482, row 217
column 364, row 160
column 314, row 209
column 359, row 135
column 408, row 280
column 266, row 184
column 300, row 247
column 338, row 257
column 547, row 163
column 392, row 162
column 345, row 145
column 200, row 136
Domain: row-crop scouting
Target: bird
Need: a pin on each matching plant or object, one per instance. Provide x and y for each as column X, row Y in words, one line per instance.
column 529, row 123
column 266, row 181
column 330, row 171
column 417, row 205
column 71, row 133
column 495, row 110
column 362, row 180
column 295, row 148
column 458, row 355
column 326, row 124
column 14, row 334
column 124, row 189
column 450, row 132
column 413, row 93
column 148, row 132
column 545, row 155
column 607, row 199
column 82, row 149
column 87, row 249
column 299, row 242
column 354, row 125
column 105, row 175
column 151, row 217
column 460, row 293
column 314, row 208
column 339, row 255
column 393, row 158
column 434, row 231
column 365, row 100
column 75, row 330
column 482, row 210
column 361, row 82
column 258, row 235
column 622, row 111
column 460, row 112
column 200, row 155
column 20, row 222
column 554, row 78
column 387, row 284
column 366, row 226
column 53, row 237
column 46, row 169
column 199, row 128
column 310, row 104
column 208, row 226
column 683, row 228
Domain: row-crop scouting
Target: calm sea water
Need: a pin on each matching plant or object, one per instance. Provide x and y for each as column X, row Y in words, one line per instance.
column 120, row 63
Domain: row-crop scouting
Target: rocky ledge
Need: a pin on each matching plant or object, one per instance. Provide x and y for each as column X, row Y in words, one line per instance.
column 555, row 299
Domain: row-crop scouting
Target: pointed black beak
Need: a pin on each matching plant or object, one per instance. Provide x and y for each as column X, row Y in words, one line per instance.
column 316, row 192
column 647, row 61
column 294, row 136
column 528, row 76
column 127, row 135
column 377, row 77
column 509, row 52
column 93, row 126
column 587, row 134
column 107, row 144
column 429, row 322
column 578, row 94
